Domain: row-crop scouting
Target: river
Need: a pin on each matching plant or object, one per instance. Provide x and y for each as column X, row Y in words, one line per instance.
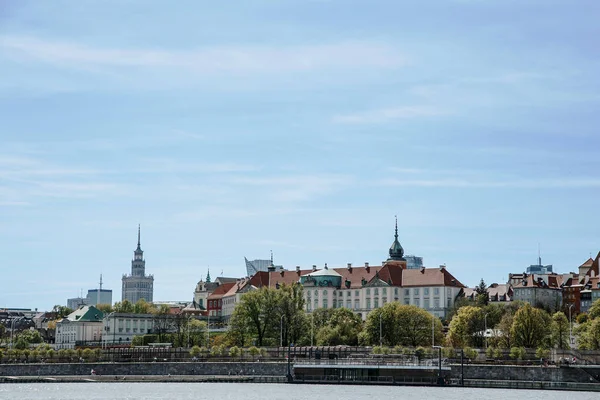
column 255, row 391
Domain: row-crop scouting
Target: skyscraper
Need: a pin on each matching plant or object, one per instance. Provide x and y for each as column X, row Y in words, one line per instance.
column 138, row 285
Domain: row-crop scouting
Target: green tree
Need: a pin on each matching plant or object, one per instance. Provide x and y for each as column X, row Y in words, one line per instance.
column 482, row 296
column 61, row 311
column 197, row 332
column 341, row 327
column 105, row 308
column 594, row 311
column 162, row 320
column 505, row 328
column 124, row 306
column 560, row 330
column 239, row 332
column 260, row 310
column 292, row 319
column 87, row 354
column 589, row 335
column 143, row 307
column 517, row 353
column 404, row 325
column 97, row 354
column 195, row 351
column 582, row 318
column 530, row 327
column 466, row 326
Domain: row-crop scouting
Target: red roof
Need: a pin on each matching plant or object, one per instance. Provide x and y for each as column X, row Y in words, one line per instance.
column 429, row 277
column 221, row 290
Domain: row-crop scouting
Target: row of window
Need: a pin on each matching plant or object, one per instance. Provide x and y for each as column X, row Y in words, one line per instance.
column 407, row 292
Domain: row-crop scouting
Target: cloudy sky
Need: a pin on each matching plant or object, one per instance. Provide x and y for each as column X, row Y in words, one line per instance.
column 295, row 126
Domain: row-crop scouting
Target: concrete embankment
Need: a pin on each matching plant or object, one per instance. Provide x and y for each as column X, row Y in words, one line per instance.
column 147, row 369
column 581, row 374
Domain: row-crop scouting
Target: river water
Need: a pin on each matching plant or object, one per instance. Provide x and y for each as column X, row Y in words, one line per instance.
column 257, row 391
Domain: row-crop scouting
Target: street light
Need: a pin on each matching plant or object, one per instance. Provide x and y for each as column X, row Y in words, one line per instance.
column 485, row 330
column 570, row 326
column 312, row 328
column 432, row 330
column 281, row 331
column 12, row 328
column 380, row 331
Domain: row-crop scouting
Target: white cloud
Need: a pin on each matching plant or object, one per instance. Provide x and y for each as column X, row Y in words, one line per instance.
column 206, row 60
column 389, row 114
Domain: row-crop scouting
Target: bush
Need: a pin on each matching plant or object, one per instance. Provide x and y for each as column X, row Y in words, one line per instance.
column 377, row 350
column 50, row 353
column 420, row 353
column 35, row 355
column 87, row 354
column 542, row 352
column 517, row 353
column 489, row 352
column 98, row 354
column 26, row 353
column 470, row 353
column 398, row 350
column 582, row 318
column 217, row 351
column 385, row 350
column 498, row 353
column 235, row 351
column 195, row 351
column 254, row 351
column 449, row 352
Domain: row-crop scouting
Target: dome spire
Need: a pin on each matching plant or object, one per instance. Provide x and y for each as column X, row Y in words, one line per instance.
column 396, row 250
column 139, row 235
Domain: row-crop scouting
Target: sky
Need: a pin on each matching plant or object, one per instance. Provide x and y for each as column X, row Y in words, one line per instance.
column 228, row 130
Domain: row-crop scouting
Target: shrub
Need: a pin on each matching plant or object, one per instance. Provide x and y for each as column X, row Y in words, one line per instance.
column 98, row 354
column 489, row 352
column 449, row 352
column 254, row 351
column 50, row 353
column 398, row 350
column 498, row 353
column 542, row 352
column 235, row 351
column 217, row 350
column 195, row 351
column 1, row 354
column 517, row 353
column 87, row 354
column 470, row 353
column 26, row 353
column 420, row 353
column 35, row 355
column 377, row 350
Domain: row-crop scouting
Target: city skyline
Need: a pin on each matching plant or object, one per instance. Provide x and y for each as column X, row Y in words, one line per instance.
column 294, row 126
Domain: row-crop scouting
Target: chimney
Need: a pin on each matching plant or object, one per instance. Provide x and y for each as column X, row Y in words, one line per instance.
column 314, row 268
column 367, row 267
column 282, row 272
column 442, row 267
column 422, row 270
column 326, row 266
column 349, row 267
column 298, row 269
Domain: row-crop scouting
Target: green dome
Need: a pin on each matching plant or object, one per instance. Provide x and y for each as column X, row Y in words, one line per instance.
column 396, row 250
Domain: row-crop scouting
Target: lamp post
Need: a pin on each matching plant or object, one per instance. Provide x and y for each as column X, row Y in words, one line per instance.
column 432, row 330
column 570, row 326
column 208, row 330
column 281, row 331
column 440, row 379
column 380, row 331
column 12, row 329
column 485, row 330
column 312, row 328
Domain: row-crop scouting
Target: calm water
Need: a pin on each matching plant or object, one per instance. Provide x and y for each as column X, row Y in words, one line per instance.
column 251, row 391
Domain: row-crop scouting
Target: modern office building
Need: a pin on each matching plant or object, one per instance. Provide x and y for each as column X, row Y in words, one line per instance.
column 138, row 285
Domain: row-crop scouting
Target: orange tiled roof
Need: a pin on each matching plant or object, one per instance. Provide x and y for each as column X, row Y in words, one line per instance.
column 221, row 290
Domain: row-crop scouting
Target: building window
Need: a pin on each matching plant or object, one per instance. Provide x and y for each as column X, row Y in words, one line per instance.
column 348, row 304
column 418, row 302
column 368, row 304
column 384, row 290
column 426, row 304
column 436, row 291
column 426, row 291
column 376, row 291
column 416, row 290
column 436, row 303
column 356, row 304
column 383, row 301
column 324, row 293
column 376, row 302
column 395, row 291
column 356, row 293
column 325, row 303
column 368, row 292
column 407, row 292
column 348, row 293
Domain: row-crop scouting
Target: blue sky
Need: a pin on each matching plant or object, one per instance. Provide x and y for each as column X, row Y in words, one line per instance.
column 300, row 127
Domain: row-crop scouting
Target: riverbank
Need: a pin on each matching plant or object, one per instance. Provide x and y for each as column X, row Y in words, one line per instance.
column 144, row 378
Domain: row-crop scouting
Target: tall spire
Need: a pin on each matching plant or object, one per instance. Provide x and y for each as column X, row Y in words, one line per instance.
column 271, row 257
column 139, row 234
column 396, row 250
column 208, row 275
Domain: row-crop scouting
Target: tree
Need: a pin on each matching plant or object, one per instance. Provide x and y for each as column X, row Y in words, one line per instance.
column 259, row 308
column 124, row 306
column 162, row 321
column 482, row 297
column 292, row 319
column 505, row 328
column 342, row 327
column 560, row 330
column 594, row 311
column 404, row 325
column 61, row 311
column 517, row 353
column 466, row 327
column 197, row 331
column 105, row 308
column 530, row 326
column 239, row 331
column 143, row 307
column 589, row 335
